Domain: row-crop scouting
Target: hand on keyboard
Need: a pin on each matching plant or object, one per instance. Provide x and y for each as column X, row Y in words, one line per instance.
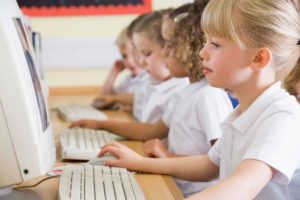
column 86, row 123
column 101, row 160
column 127, row 158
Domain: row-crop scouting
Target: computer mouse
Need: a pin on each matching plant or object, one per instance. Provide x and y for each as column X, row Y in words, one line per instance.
column 101, row 160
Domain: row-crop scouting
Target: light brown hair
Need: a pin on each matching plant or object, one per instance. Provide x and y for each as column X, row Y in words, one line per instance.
column 151, row 25
column 188, row 38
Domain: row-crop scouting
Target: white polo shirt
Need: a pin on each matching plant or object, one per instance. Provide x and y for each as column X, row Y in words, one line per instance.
column 151, row 102
column 193, row 117
column 269, row 131
column 130, row 84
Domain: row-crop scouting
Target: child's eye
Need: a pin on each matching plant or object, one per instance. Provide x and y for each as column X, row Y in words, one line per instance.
column 147, row 53
column 215, row 44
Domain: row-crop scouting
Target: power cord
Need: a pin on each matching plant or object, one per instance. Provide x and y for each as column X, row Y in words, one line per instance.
column 34, row 185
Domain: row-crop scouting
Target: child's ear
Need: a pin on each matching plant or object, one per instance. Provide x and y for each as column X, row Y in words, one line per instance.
column 261, row 59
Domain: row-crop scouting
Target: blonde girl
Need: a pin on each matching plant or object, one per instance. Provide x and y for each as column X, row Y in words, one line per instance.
column 123, row 93
column 257, row 156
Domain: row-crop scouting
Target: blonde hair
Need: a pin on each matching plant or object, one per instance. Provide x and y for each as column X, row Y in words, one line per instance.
column 122, row 38
column 133, row 23
column 151, row 25
column 292, row 80
column 255, row 24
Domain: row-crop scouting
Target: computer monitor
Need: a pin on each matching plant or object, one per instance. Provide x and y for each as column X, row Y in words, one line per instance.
column 37, row 46
column 27, row 141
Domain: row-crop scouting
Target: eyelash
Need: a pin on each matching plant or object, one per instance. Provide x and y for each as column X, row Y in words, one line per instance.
column 215, row 44
column 147, row 54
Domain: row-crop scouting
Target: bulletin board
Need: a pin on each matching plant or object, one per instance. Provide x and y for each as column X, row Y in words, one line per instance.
column 84, row 7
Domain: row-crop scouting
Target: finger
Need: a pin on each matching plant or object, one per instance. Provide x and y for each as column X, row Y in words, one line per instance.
column 112, row 163
column 110, row 149
column 117, row 144
column 75, row 124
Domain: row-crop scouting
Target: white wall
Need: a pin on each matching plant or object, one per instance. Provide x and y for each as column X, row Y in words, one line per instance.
column 77, row 48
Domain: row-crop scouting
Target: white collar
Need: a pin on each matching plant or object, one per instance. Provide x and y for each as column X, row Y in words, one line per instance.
column 170, row 84
column 243, row 121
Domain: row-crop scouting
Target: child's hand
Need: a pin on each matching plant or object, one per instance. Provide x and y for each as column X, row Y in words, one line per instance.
column 155, row 148
column 108, row 100
column 127, row 109
column 86, row 123
column 127, row 158
column 118, row 66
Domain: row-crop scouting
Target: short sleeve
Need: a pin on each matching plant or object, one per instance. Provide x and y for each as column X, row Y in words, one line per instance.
column 213, row 107
column 168, row 114
column 139, row 101
column 214, row 153
column 276, row 143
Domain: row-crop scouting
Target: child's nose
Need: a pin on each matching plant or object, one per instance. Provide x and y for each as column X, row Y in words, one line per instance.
column 143, row 62
column 203, row 54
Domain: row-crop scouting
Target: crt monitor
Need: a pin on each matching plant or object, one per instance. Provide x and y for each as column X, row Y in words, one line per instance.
column 37, row 46
column 27, row 141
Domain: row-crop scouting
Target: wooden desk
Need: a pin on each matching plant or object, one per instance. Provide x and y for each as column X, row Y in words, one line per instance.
column 155, row 187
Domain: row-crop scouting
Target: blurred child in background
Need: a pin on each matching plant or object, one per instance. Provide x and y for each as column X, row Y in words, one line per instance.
column 192, row 117
column 257, row 155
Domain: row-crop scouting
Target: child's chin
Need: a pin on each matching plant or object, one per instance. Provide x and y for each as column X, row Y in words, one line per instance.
column 214, row 83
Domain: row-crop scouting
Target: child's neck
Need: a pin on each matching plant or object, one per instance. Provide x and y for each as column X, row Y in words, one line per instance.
column 166, row 78
column 248, row 94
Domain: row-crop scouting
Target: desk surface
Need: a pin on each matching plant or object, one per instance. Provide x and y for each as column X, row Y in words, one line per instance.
column 155, row 187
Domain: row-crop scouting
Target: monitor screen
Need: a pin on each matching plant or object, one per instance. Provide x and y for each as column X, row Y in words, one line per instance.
column 28, row 51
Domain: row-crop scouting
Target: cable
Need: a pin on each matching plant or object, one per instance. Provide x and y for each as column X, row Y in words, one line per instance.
column 29, row 186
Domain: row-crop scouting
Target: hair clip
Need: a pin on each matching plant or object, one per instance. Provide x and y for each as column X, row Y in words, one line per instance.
column 181, row 16
column 298, row 43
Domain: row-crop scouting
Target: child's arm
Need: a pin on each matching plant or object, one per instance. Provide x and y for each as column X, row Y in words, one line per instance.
column 108, row 86
column 156, row 148
column 132, row 130
column 126, row 98
column 193, row 168
column 246, row 182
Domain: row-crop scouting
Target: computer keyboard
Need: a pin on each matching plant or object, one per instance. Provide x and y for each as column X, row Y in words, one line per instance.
column 83, row 144
column 73, row 113
column 89, row 182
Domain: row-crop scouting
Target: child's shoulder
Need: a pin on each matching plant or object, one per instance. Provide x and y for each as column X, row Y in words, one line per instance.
column 288, row 104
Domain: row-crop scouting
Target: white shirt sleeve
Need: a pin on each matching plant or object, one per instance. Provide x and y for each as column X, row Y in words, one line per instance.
column 168, row 114
column 139, row 101
column 277, row 144
column 212, row 109
column 214, row 153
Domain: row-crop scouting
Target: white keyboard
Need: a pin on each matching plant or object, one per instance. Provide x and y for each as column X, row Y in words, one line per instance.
column 83, row 144
column 73, row 113
column 88, row 182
